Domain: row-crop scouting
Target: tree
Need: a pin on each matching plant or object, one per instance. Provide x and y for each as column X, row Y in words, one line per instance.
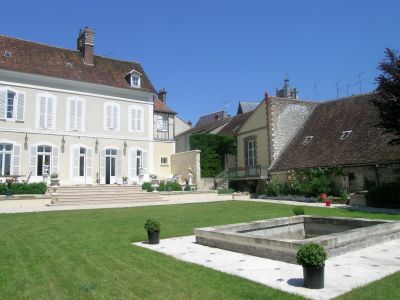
column 389, row 87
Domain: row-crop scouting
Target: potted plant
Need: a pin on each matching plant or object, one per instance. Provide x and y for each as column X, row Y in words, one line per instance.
column 124, row 180
column 323, row 196
column 54, row 180
column 312, row 257
column 153, row 227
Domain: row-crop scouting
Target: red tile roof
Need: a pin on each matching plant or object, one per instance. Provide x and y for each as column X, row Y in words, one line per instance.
column 40, row 59
column 160, row 106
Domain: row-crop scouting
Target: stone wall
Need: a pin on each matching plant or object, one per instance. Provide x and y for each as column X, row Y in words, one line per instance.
column 180, row 163
column 286, row 118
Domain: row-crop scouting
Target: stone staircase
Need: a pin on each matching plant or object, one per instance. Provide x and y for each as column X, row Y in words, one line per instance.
column 100, row 195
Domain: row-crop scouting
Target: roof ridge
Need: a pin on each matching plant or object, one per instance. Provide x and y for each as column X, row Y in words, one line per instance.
column 349, row 97
column 68, row 49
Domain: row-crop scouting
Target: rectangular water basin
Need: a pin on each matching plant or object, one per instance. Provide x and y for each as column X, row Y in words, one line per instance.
column 280, row 238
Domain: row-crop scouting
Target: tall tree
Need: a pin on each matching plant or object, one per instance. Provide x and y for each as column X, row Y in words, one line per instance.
column 389, row 88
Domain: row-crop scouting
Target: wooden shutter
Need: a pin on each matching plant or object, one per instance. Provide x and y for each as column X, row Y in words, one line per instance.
column 139, row 120
column 20, row 106
column 16, row 159
column 33, row 159
column 133, row 119
column 3, row 95
column 118, row 164
column 72, row 114
column 103, row 166
column 89, row 162
column 42, row 112
column 109, row 117
column 54, row 160
column 75, row 161
column 78, row 125
column 144, row 162
column 49, row 113
column 132, row 165
column 115, row 117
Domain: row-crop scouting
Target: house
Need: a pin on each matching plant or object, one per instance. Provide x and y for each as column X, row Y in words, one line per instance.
column 343, row 133
column 85, row 117
column 285, row 134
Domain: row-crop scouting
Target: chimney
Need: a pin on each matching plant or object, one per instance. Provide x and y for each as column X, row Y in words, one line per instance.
column 85, row 45
column 162, row 95
column 190, row 123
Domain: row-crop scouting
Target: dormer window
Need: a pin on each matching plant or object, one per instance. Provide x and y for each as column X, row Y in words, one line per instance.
column 7, row 54
column 135, row 78
column 345, row 134
column 307, row 140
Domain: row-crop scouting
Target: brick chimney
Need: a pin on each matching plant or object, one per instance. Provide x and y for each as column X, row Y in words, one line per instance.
column 85, row 45
column 162, row 95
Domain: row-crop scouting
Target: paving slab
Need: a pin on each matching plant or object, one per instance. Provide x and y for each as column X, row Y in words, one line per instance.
column 342, row 273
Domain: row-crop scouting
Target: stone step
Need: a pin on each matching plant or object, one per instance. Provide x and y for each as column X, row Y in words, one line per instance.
column 95, row 188
column 101, row 196
column 88, row 193
column 83, row 203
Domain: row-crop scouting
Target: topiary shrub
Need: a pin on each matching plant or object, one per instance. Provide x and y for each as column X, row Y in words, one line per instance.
column 152, row 225
column 298, row 210
column 146, row 185
column 24, row 188
column 311, row 255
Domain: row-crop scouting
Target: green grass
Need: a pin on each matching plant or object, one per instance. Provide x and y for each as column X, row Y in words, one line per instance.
column 87, row 254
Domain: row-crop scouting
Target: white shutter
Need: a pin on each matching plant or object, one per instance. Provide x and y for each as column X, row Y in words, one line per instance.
column 133, row 119
column 103, row 166
column 144, row 162
column 54, row 160
column 118, row 164
column 33, row 158
column 75, row 161
column 16, row 160
column 72, row 114
column 139, row 120
column 132, row 165
column 49, row 113
column 115, row 117
column 20, row 106
column 89, row 162
column 42, row 112
column 3, row 95
column 109, row 117
column 78, row 125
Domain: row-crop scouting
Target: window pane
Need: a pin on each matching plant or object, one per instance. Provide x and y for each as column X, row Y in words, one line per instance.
column 7, row 164
column 81, row 166
column 10, row 104
column 113, row 166
column 1, row 164
column 47, row 149
column 40, row 165
column 40, row 149
column 114, row 152
column 8, row 147
column 82, row 150
column 108, row 152
column 1, row 147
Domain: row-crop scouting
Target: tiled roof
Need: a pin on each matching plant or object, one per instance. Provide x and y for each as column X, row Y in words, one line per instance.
column 40, row 59
column 366, row 144
column 235, row 123
column 160, row 106
column 207, row 127
column 245, row 107
column 211, row 118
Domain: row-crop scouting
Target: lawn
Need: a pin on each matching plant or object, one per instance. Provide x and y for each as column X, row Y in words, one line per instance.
column 87, row 254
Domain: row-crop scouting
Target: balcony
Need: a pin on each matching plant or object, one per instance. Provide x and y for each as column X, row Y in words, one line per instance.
column 253, row 172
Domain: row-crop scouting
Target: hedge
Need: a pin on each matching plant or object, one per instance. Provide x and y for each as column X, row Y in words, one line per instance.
column 24, row 188
column 384, row 195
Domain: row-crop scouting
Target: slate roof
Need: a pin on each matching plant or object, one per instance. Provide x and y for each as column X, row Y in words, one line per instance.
column 245, row 107
column 366, row 144
column 210, row 118
column 160, row 106
column 40, row 59
column 206, row 128
column 235, row 123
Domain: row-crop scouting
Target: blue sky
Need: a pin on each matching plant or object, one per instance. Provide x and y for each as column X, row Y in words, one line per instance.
column 209, row 54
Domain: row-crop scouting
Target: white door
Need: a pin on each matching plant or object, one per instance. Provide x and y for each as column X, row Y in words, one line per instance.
column 110, row 167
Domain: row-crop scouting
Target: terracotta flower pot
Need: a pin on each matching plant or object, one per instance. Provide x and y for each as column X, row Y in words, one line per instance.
column 323, row 196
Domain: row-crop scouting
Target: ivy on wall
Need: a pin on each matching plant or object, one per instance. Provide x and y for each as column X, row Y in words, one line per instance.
column 213, row 149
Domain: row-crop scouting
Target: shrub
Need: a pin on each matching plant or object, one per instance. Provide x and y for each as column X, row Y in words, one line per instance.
column 384, row 195
column 146, row 185
column 311, row 255
column 225, row 191
column 24, row 188
column 298, row 210
column 152, row 225
column 150, row 189
column 169, row 186
column 275, row 188
column 344, row 195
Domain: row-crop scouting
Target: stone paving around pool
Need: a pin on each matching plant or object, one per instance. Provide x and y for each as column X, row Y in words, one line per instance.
column 342, row 273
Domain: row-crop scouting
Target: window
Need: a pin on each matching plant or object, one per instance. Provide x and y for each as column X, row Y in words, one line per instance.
column 136, row 118
column 12, row 105
column 135, row 80
column 5, row 158
column 251, row 153
column 164, row 160
column 162, row 122
column 75, row 114
column 43, row 160
column 111, row 116
column 345, row 134
column 46, row 106
column 307, row 140
column 82, row 165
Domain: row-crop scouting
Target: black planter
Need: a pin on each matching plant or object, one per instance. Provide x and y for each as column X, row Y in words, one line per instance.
column 313, row 277
column 154, row 237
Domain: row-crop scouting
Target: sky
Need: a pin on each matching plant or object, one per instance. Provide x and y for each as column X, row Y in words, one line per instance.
column 211, row 54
